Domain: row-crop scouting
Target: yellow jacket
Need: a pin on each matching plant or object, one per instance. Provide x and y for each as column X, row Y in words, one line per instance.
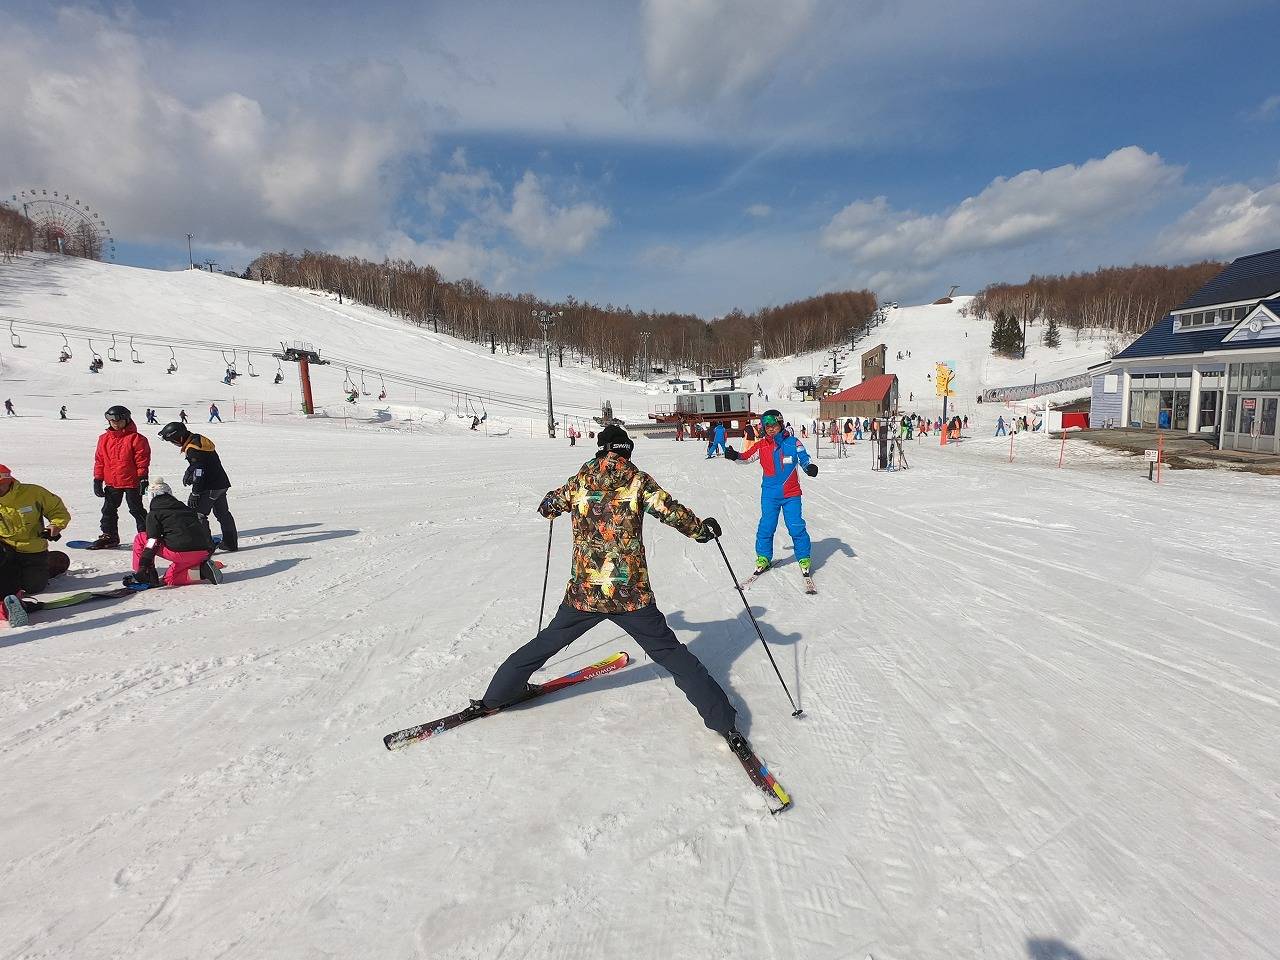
column 22, row 516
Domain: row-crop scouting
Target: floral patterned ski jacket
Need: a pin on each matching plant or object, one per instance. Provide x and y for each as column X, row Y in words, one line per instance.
column 608, row 499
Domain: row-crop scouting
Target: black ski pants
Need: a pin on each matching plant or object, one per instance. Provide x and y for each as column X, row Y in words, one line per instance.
column 215, row 502
column 647, row 627
column 29, row 572
column 111, row 498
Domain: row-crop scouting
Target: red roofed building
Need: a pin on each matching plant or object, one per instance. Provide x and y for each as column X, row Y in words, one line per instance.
column 875, row 397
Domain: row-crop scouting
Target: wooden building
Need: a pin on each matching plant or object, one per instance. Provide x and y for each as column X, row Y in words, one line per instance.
column 876, row 397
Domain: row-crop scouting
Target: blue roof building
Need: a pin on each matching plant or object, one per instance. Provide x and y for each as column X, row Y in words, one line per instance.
column 1211, row 366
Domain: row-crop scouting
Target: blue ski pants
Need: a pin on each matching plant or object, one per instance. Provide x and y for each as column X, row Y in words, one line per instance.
column 770, row 504
column 647, row 627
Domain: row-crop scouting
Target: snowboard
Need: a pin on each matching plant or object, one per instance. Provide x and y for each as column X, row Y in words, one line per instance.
column 88, row 545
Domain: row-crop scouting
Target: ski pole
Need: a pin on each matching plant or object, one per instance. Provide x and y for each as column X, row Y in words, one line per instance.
column 796, row 711
column 546, row 575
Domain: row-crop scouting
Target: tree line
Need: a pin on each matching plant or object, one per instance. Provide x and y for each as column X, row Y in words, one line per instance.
column 1124, row 300
column 17, row 233
column 609, row 336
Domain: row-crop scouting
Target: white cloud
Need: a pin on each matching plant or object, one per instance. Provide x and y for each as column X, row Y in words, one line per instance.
column 540, row 225
column 1269, row 108
column 700, row 52
column 86, row 111
column 1230, row 221
column 759, row 210
column 1063, row 203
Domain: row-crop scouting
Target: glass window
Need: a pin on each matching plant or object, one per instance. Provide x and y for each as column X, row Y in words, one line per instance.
column 1233, row 381
column 1181, row 408
column 1182, row 381
column 1248, row 414
column 1150, row 407
column 1241, row 313
column 1231, row 413
column 1257, row 372
column 1267, row 427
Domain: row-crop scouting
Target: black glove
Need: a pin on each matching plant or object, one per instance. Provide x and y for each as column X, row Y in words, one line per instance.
column 709, row 530
column 97, row 487
column 142, row 487
column 548, row 508
column 730, row 453
column 811, row 469
column 51, row 533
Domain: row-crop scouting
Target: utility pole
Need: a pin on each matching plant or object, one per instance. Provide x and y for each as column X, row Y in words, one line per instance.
column 546, row 318
column 835, row 360
column 386, row 278
column 644, row 340
column 191, row 262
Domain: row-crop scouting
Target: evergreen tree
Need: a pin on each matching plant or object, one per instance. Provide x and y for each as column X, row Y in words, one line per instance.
column 997, row 332
column 1052, row 338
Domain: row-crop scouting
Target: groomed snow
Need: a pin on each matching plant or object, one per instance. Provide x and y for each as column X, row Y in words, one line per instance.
column 1040, row 704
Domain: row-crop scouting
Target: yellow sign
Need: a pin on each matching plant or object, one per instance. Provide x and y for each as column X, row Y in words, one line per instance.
column 942, row 380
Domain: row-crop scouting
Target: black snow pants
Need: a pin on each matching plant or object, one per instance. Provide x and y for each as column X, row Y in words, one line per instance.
column 647, row 627
column 29, row 572
column 215, row 502
column 111, row 498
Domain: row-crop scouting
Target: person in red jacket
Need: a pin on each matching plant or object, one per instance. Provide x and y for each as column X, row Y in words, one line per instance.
column 120, row 468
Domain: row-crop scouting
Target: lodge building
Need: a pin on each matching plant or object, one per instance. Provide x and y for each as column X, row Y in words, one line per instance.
column 1211, row 366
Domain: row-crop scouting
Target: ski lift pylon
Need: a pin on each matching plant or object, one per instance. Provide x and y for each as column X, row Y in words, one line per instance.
column 14, row 339
column 133, row 353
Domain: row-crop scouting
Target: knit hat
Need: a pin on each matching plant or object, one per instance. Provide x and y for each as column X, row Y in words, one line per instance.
column 160, row 487
column 613, row 439
column 4, row 473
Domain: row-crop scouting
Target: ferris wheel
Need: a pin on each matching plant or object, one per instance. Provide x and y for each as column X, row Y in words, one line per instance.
column 65, row 225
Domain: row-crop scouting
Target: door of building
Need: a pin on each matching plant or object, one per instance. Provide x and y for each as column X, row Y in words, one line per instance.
column 1256, row 424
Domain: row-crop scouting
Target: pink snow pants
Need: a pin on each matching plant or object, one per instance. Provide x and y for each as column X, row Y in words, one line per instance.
column 180, row 561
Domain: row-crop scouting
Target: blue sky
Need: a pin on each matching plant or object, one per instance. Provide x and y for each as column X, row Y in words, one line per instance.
column 690, row 155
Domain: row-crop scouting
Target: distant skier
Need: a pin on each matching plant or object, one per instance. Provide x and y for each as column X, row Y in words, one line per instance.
column 716, row 446
column 213, row 413
column 182, row 415
column 280, row 378
column 475, row 421
column 1000, row 431
column 120, row 466
column 30, row 517
column 207, row 479
column 178, row 534
column 780, row 454
column 8, row 409
column 608, row 498
column 62, row 412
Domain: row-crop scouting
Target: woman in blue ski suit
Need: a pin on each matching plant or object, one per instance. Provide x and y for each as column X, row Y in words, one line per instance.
column 780, row 455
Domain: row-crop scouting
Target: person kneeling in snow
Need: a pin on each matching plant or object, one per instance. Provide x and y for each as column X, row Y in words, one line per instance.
column 178, row 534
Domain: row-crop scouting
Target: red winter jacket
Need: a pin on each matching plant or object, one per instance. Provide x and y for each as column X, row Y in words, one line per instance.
column 123, row 457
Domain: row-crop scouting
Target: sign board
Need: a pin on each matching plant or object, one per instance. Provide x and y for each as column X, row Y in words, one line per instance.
column 1250, row 403
column 943, row 374
column 1153, row 456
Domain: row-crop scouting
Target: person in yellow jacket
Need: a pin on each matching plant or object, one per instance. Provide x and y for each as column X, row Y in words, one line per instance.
column 30, row 516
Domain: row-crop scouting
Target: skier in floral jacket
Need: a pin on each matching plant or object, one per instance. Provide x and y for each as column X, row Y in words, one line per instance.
column 608, row 498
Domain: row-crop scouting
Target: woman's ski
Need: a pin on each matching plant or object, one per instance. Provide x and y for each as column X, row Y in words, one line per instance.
column 424, row 731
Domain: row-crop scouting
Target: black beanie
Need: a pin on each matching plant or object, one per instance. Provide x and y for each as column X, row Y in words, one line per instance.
column 613, row 439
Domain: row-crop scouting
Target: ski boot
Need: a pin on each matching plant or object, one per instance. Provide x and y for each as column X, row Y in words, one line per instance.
column 15, row 612
column 104, row 542
column 805, row 564
column 763, row 564
column 209, row 571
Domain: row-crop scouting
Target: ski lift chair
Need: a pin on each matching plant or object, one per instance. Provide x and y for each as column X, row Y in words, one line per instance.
column 279, row 373
column 249, row 364
column 231, row 364
column 173, row 362
column 14, row 339
column 363, row 391
column 65, row 353
column 382, row 395
column 111, row 350
column 133, row 354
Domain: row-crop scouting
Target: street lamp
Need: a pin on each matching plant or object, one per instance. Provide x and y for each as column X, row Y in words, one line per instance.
column 545, row 319
column 644, row 340
column 191, row 261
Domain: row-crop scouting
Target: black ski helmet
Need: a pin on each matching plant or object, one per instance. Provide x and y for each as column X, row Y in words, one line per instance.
column 613, row 439
column 118, row 412
column 174, row 431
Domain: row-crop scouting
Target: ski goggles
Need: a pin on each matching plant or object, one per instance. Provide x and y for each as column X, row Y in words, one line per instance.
column 769, row 420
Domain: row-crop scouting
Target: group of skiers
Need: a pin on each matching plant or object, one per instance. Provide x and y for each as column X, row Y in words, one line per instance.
column 31, row 516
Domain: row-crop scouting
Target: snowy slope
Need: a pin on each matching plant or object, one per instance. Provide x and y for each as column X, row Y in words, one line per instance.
column 1039, row 712
column 47, row 298
column 931, row 333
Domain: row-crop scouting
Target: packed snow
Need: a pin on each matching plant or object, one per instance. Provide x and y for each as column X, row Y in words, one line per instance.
column 1039, row 702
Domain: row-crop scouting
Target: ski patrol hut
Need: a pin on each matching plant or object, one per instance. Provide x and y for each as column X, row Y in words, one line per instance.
column 730, row 407
column 877, row 397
